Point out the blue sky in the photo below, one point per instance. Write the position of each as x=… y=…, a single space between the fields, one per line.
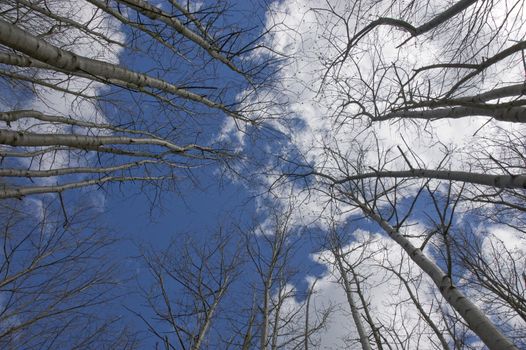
x=306 y=126
x=211 y=199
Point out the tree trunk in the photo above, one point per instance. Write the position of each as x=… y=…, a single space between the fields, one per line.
x=475 y=318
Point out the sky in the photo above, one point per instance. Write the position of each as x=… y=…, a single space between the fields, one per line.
x=300 y=135
x=301 y=127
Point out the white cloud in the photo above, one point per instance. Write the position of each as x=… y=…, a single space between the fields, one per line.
x=388 y=299
x=312 y=37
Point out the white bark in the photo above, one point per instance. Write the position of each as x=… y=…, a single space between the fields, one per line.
x=19 y=138
x=507 y=114
x=203 y=330
x=499 y=181
x=192 y=18
x=506 y=91
x=474 y=317
x=73 y=170
x=12 y=116
x=265 y=313
x=20 y=40
x=108 y=150
x=477 y=101
x=307 y=332
x=20 y=192
x=364 y=339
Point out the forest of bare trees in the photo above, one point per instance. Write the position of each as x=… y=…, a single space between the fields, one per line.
x=380 y=144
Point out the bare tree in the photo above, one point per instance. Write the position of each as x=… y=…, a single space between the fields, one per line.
x=196 y=293
x=496 y=270
x=189 y=283
x=351 y=284
x=57 y=284
x=402 y=318
x=406 y=67
x=285 y=316
x=110 y=91
x=381 y=202
x=468 y=60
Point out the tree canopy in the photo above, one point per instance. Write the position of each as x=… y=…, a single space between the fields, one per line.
x=379 y=147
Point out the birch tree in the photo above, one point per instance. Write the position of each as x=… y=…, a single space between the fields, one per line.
x=447 y=61
x=284 y=317
x=386 y=203
x=386 y=294
x=351 y=285
x=98 y=92
x=393 y=74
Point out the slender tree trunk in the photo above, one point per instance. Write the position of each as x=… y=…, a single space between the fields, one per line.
x=247 y=339
x=265 y=311
x=307 y=309
x=368 y=317
x=20 y=40
x=506 y=114
x=474 y=317
x=364 y=339
x=208 y=320
x=18 y=138
x=19 y=192
x=499 y=181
